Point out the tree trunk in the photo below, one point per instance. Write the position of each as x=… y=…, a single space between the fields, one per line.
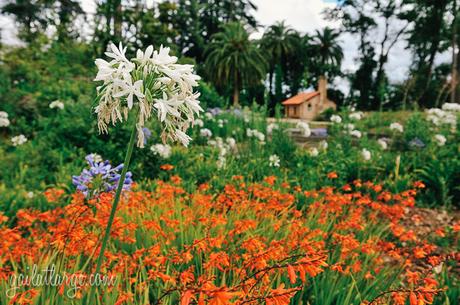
x=236 y=96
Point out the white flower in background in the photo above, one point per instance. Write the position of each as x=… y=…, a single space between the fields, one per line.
x=304 y=129
x=221 y=162
x=163 y=150
x=356 y=115
x=18 y=140
x=271 y=127
x=208 y=115
x=356 y=133
x=440 y=139
x=336 y=119
x=455 y=107
x=314 y=152
x=231 y=142
x=205 y=133
x=274 y=161
x=445 y=116
x=199 y=123
x=250 y=133
x=350 y=126
x=260 y=136
x=366 y=154
x=323 y=145
x=4 y=121
x=383 y=144
x=153 y=82
x=396 y=126
x=30 y=195
x=220 y=123
x=57 y=104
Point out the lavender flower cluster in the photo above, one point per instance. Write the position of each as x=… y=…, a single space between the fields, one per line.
x=100 y=177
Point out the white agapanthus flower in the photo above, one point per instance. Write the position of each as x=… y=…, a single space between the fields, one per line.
x=356 y=133
x=383 y=144
x=323 y=145
x=396 y=126
x=57 y=104
x=205 y=133
x=18 y=140
x=366 y=154
x=220 y=123
x=254 y=133
x=350 y=126
x=231 y=142
x=221 y=162
x=274 y=161
x=440 y=139
x=96 y=157
x=455 y=107
x=356 y=115
x=336 y=119
x=271 y=127
x=152 y=82
x=163 y=150
x=4 y=121
x=304 y=129
x=445 y=116
x=199 y=123
x=314 y=152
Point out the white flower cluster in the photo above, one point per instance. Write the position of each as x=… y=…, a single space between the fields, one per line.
x=445 y=116
x=397 y=127
x=304 y=128
x=350 y=129
x=206 y=133
x=356 y=115
x=163 y=150
x=271 y=127
x=366 y=154
x=250 y=133
x=57 y=104
x=96 y=157
x=440 y=139
x=154 y=82
x=18 y=140
x=229 y=145
x=4 y=121
x=383 y=144
x=336 y=119
x=274 y=161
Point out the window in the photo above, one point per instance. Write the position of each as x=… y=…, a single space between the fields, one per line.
x=295 y=110
x=309 y=107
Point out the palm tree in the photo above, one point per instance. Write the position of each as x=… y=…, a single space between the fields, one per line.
x=278 y=42
x=231 y=58
x=327 y=50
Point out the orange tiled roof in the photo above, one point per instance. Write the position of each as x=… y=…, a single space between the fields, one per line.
x=300 y=98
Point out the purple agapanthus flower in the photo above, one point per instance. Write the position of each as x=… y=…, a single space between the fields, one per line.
x=215 y=111
x=147 y=134
x=100 y=177
x=319 y=132
x=417 y=143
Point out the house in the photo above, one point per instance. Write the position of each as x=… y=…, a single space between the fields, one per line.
x=308 y=105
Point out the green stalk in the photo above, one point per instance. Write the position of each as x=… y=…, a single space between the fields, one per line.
x=129 y=152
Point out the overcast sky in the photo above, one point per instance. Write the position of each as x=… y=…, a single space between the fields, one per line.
x=302 y=15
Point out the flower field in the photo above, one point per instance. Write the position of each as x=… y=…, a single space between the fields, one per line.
x=250 y=209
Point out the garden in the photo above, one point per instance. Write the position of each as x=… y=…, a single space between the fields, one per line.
x=136 y=174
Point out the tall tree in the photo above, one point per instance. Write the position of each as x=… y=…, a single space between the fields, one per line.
x=328 y=52
x=232 y=58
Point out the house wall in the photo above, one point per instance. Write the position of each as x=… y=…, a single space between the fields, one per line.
x=309 y=110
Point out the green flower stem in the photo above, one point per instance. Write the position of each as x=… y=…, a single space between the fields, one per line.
x=112 y=213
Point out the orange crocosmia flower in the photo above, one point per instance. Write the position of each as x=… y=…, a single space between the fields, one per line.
x=53 y=194
x=419 y=184
x=291 y=274
x=419 y=252
x=3 y=218
x=176 y=179
x=166 y=167
x=270 y=180
x=222 y=297
x=456 y=226
x=186 y=297
x=346 y=188
x=280 y=296
x=398 y=298
x=441 y=232
x=332 y=175
x=413 y=299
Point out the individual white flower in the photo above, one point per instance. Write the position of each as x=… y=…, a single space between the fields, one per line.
x=205 y=133
x=356 y=115
x=271 y=127
x=249 y=132
x=18 y=140
x=383 y=144
x=221 y=162
x=208 y=115
x=163 y=150
x=57 y=104
x=314 y=152
x=396 y=126
x=260 y=136
x=220 y=123
x=440 y=139
x=30 y=195
x=4 y=121
x=304 y=129
x=274 y=161
x=96 y=157
x=350 y=126
x=199 y=122
x=152 y=81
x=366 y=154
x=323 y=145
x=356 y=133
x=336 y=119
